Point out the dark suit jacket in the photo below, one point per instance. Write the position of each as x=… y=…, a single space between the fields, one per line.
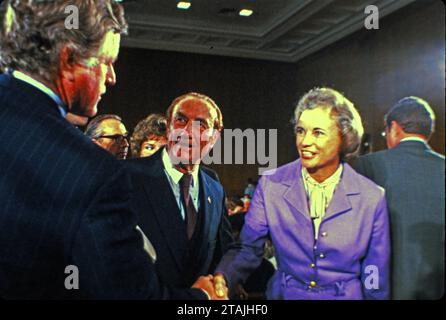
x=413 y=176
x=160 y=219
x=64 y=201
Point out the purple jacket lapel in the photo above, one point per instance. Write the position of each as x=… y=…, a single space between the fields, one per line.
x=340 y=202
x=295 y=194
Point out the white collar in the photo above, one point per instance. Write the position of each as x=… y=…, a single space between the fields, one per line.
x=174 y=173
x=413 y=139
x=332 y=180
x=39 y=85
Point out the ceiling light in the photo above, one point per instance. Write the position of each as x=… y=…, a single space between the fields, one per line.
x=183 y=5
x=245 y=12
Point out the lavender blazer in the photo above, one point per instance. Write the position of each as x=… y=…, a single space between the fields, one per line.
x=351 y=258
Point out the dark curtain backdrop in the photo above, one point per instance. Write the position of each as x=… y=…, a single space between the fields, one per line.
x=373 y=68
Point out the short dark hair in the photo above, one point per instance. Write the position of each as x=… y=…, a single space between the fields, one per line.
x=154 y=124
x=34 y=33
x=92 y=130
x=343 y=111
x=414 y=115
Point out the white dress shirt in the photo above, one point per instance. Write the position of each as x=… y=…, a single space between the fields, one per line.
x=174 y=176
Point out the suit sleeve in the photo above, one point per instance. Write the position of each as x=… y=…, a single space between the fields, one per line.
x=375 y=267
x=108 y=250
x=225 y=231
x=245 y=256
x=224 y=238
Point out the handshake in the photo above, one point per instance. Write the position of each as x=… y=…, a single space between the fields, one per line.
x=214 y=286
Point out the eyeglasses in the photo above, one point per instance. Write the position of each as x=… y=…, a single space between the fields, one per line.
x=117 y=137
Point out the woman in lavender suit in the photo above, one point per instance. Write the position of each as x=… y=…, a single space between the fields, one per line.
x=328 y=224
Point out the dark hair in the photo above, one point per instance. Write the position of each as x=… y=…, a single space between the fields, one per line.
x=93 y=131
x=414 y=115
x=218 y=121
x=34 y=32
x=344 y=112
x=154 y=124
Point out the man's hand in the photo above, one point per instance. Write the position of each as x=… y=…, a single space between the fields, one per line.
x=205 y=283
x=221 y=290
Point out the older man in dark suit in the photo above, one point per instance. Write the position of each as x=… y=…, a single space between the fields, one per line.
x=64 y=211
x=180 y=203
x=413 y=176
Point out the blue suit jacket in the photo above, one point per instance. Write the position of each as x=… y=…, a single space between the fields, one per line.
x=160 y=219
x=413 y=176
x=353 y=241
x=64 y=201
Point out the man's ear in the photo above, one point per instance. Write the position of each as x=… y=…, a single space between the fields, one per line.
x=395 y=126
x=66 y=63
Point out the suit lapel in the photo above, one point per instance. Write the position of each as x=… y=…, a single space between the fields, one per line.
x=159 y=194
x=295 y=193
x=296 y=197
x=211 y=215
x=340 y=202
x=211 y=207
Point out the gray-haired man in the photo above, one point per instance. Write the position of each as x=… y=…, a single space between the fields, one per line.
x=64 y=211
x=108 y=132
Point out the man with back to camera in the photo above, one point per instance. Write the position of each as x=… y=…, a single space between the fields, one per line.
x=413 y=176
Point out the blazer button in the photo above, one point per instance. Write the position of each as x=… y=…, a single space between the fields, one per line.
x=313 y=284
x=322 y=256
x=324 y=234
x=312 y=266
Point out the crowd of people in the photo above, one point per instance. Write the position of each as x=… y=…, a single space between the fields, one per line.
x=328 y=225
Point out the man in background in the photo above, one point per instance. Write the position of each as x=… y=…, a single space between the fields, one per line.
x=108 y=132
x=413 y=176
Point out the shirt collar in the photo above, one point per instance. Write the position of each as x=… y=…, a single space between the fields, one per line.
x=173 y=173
x=413 y=139
x=21 y=76
x=332 y=180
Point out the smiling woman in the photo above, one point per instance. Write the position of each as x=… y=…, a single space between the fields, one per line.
x=328 y=224
x=318 y=141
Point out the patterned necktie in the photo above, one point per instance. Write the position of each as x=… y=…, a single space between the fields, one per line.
x=191 y=213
